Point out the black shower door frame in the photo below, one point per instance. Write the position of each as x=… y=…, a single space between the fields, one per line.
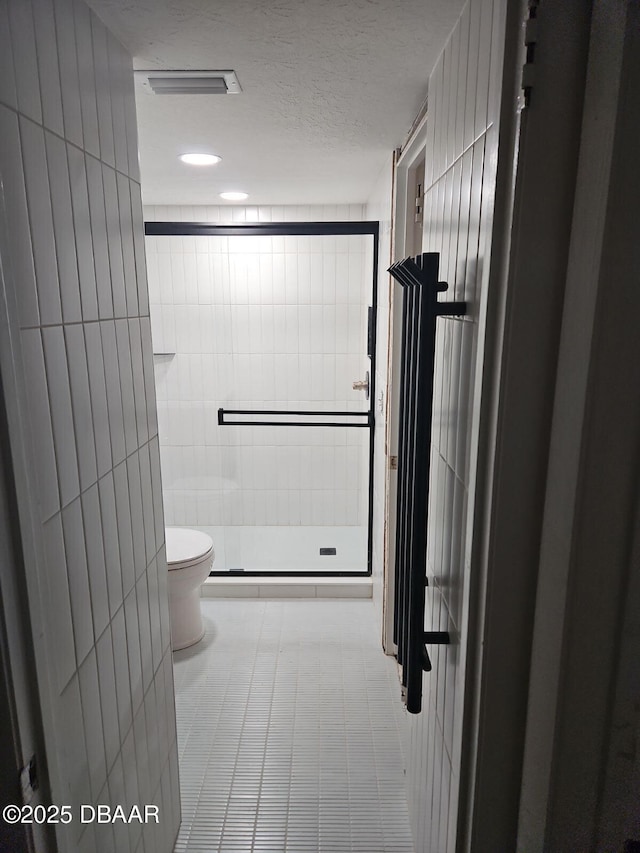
x=293 y=229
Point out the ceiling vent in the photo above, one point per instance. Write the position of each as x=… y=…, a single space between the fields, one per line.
x=192 y=82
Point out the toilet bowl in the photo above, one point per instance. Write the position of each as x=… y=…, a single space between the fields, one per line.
x=189 y=559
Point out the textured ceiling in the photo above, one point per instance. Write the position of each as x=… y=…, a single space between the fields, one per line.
x=330 y=87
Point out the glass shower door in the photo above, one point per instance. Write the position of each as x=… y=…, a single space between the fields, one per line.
x=270 y=333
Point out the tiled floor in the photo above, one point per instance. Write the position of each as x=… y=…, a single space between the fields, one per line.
x=290 y=732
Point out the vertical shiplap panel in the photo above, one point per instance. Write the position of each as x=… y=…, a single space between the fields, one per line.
x=95 y=559
x=93 y=726
x=15 y=200
x=463 y=67
x=117 y=73
x=69 y=79
x=473 y=256
x=125 y=377
x=48 y=68
x=114 y=395
x=131 y=128
x=77 y=255
x=110 y=540
x=114 y=241
x=61 y=413
x=103 y=91
x=463 y=225
x=484 y=62
x=98 y=391
x=139 y=391
x=446 y=273
x=85 y=247
x=41 y=221
x=81 y=405
x=137 y=516
x=452 y=248
x=128 y=257
x=98 y=231
x=7 y=73
x=76 y=562
x=63 y=228
x=74 y=789
x=40 y=423
x=452 y=69
x=464 y=89
x=22 y=31
x=61 y=623
x=86 y=75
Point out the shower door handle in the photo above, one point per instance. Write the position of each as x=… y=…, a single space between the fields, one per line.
x=362 y=385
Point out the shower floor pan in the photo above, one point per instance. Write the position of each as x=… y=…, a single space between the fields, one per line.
x=288 y=550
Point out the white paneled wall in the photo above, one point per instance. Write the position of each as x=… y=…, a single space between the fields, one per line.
x=259 y=323
x=75 y=270
x=461 y=153
x=379 y=209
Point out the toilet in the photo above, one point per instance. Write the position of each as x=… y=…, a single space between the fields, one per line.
x=189 y=559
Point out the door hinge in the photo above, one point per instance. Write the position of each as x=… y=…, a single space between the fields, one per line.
x=393 y=463
x=419 y=206
x=29 y=780
x=530 y=41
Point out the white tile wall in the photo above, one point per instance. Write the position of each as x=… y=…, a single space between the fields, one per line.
x=68 y=168
x=226 y=213
x=259 y=323
x=460 y=161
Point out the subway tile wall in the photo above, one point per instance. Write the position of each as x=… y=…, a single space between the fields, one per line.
x=461 y=153
x=71 y=192
x=259 y=323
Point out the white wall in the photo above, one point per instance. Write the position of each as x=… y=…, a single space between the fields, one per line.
x=260 y=323
x=461 y=152
x=77 y=349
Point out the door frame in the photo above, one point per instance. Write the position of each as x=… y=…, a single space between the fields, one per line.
x=405 y=166
x=289 y=229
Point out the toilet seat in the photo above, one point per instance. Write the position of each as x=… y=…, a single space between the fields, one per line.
x=186 y=547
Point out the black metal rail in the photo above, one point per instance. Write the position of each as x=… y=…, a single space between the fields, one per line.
x=420 y=308
x=222 y=413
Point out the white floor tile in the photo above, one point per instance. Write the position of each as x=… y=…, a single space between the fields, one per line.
x=290 y=731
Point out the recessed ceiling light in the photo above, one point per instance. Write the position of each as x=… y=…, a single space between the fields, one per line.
x=234 y=196
x=200 y=159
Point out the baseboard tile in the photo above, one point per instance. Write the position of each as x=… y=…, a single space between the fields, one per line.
x=334 y=587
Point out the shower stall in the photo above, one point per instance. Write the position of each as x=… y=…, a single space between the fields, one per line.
x=264 y=352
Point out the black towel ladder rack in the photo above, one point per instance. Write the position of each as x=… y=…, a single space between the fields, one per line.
x=418 y=278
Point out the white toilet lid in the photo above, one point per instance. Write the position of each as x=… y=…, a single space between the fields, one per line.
x=185 y=545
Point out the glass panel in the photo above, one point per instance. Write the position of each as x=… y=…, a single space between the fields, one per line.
x=264 y=323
